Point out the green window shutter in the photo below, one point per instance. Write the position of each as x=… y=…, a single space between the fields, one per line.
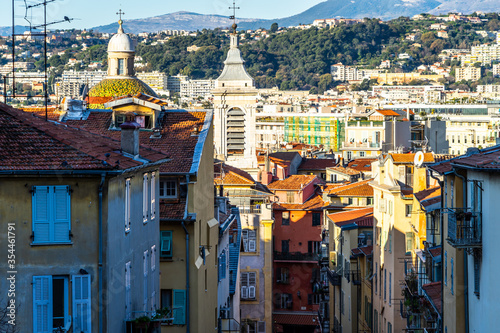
x=41 y=214
x=179 y=306
x=81 y=304
x=42 y=303
x=166 y=244
x=62 y=207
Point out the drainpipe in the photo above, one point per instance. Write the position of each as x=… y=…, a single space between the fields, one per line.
x=466 y=277
x=101 y=185
x=187 y=278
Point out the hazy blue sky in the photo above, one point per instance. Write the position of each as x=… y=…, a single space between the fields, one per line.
x=91 y=13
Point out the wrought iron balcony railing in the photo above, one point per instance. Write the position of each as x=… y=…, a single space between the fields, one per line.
x=464 y=228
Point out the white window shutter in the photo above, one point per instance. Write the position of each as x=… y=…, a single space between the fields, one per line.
x=153 y=195
x=127 y=205
x=42 y=304
x=244 y=292
x=261 y=327
x=153 y=258
x=244 y=285
x=251 y=292
x=252 y=246
x=145 y=281
x=145 y=202
x=128 y=299
x=62 y=208
x=41 y=214
x=244 y=236
x=81 y=304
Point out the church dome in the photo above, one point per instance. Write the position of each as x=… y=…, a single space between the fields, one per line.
x=108 y=89
x=121 y=42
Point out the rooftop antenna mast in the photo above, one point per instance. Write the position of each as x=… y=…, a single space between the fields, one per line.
x=233 y=17
x=42 y=34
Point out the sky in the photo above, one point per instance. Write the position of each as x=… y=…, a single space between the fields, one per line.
x=91 y=13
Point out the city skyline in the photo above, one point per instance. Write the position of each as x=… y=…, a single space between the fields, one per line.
x=84 y=16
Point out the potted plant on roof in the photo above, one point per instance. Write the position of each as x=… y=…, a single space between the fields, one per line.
x=141 y=324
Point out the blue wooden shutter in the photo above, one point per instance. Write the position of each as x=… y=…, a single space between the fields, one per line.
x=42 y=304
x=62 y=214
x=41 y=214
x=81 y=304
x=179 y=307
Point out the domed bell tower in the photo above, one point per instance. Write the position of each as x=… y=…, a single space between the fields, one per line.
x=121 y=54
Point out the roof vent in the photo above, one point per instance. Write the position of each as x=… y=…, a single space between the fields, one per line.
x=156 y=133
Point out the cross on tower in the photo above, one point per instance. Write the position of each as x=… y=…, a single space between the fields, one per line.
x=233 y=17
x=120 y=12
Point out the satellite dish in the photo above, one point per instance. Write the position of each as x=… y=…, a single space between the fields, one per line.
x=419 y=159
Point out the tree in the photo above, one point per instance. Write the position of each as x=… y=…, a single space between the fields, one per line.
x=274 y=27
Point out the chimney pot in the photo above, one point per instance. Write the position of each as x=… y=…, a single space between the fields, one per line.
x=130 y=135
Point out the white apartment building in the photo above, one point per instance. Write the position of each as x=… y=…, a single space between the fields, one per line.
x=197 y=88
x=464 y=132
x=347 y=73
x=71 y=82
x=156 y=80
x=425 y=93
x=174 y=83
x=496 y=70
x=483 y=53
x=488 y=88
x=469 y=73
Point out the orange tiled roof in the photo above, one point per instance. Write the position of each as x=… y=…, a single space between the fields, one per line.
x=346 y=171
x=429 y=196
x=409 y=158
x=361 y=164
x=363 y=216
x=294 y=182
x=28 y=142
x=358 y=189
x=52 y=112
x=314 y=203
x=388 y=113
x=229 y=175
x=172 y=210
x=176 y=135
x=433 y=290
x=316 y=163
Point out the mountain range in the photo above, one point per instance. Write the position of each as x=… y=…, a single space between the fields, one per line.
x=383 y=9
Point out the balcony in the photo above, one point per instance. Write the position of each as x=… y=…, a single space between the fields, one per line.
x=252 y=209
x=365 y=145
x=334 y=278
x=464 y=228
x=295 y=256
x=356 y=277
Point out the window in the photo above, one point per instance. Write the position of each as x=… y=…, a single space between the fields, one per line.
x=316 y=219
x=409 y=242
x=458 y=138
x=375 y=277
x=445 y=268
x=408 y=209
x=248 y=285
x=389 y=327
x=390 y=241
x=175 y=299
x=285 y=246
x=145 y=280
x=452 y=139
x=290 y=196
x=349 y=309
x=153 y=195
x=127 y=205
x=350 y=201
x=121 y=66
x=168 y=189
x=313 y=299
x=145 y=201
x=285 y=218
x=362 y=154
x=314 y=247
x=222 y=265
x=451 y=276
x=342 y=303
x=333 y=178
x=51 y=211
x=284 y=301
x=283 y=275
x=128 y=296
x=166 y=244
x=249 y=237
x=153 y=284
x=50 y=303
x=369 y=201
x=390 y=287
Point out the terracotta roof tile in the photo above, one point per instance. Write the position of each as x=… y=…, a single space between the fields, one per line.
x=429 y=196
x=316 y=163
x=172 y=210
x=358 y=189
x=362 y=217
x=52 y=112
x=229 y=175
x=433 y=290
x=176 y=135
x=314 y=203
x=486 y=159
x=410 y=158
x=367 y=249
x=30 y=143
x=388 y=113
x=361 y=164
x=345 y=171
x=436 y=251
x=294 y=182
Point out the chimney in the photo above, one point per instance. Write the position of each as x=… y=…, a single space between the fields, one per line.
x=130 y=135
